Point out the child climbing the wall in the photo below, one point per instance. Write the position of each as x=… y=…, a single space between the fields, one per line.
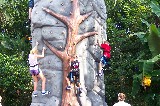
x=73 y=75
x=106 y=48
x=74 y=67
x=70 y=77
x=76 y=75
x=30 y=5
x=35 y=70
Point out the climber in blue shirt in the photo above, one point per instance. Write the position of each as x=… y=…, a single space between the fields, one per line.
x=30 y=5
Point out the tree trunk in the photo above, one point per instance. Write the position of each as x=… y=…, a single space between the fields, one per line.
x=68 y=97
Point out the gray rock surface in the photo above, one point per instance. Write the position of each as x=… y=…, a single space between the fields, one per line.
x=48 y=27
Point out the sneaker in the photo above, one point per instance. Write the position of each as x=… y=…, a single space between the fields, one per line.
x=80 y=90
x=68 y=87
x=100 y=74
x=34 y=94
x=45 y=93
x=80 y=94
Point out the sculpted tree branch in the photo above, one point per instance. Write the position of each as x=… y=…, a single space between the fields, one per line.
x=63 y=18
x=85 y=35
x=83 y=17
x=54 y=50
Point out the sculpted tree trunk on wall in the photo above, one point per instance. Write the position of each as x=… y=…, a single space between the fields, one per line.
x=72 y=23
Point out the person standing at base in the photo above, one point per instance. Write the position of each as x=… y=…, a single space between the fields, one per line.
x=121 y=98
x=35 y=71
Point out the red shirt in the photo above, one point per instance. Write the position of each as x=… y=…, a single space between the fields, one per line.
x=106 y=50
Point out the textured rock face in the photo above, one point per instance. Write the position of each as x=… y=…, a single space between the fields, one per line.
x=45 y=26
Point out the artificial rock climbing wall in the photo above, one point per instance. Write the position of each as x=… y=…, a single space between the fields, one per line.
x=45 y=26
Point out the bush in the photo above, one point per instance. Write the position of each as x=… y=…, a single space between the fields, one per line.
x=15 y=81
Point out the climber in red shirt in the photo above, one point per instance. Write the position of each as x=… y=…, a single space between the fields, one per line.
x=106 y=48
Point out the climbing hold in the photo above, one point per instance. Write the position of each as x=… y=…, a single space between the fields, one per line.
x=63 y=32
x=51 y=32
x=49 y=62
x=39 y=19
x=55 y=87
x=91 y=4
x=101 y=7
x=70 y=13
x=84 y=11
x=54 y=75
x=62 y=4
x=60 y=47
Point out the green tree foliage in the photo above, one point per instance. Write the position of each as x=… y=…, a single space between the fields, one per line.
x=13 y=31
x=14 y=15
x=15 y=81
x=17 y=45
x=124 y=19
x=154 y=40
x=150 y=67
